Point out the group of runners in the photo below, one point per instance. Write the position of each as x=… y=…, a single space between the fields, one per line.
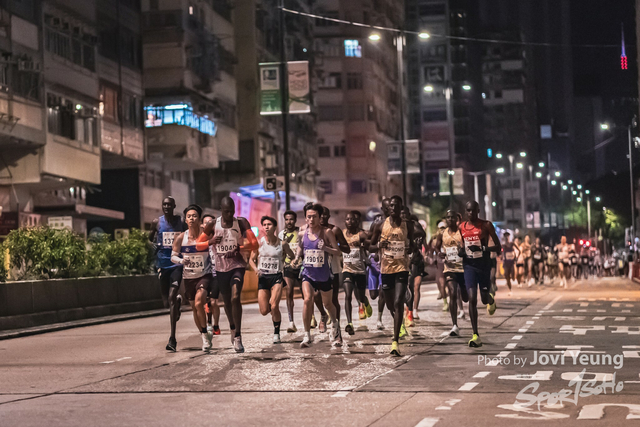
x=210 y=257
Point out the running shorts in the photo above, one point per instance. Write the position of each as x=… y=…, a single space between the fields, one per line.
x=192 y=286
x=389 y=281
x=359 y=280
x=268 y=281
x=170 y=277
x=292 y=273
x=373 y=279
x=458 y=277
x=214 y=290
x=475 y=277
x=227 y=278
x=319 y=286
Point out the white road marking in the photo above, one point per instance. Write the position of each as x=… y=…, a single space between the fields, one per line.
x=620 y=319
x=626 y=330
x=568 y=310
x=596 y=412
x=341 y=394
x=523 y=330
x=578 y=376
x=467 y=386
x=582 y=330
x=538 y=376
x=633 y=382
x=482 y=374
x=517 y=337
x=626 y=311
x=511 y=345
x=530 y=322
x=536 y=317
x=618 y=304
x=117 y=360
x=555 y=300
x=576 y=318
x=428 y=422
x=443 y=408
x=503 y=354
x=582 y=311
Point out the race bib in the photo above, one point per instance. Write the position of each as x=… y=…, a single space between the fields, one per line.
x=314 y=258
x=452 y=255
x=510 y=256
x=269 y=265
x=473 y=241
x=228 y=244
x=194 y=263
x=352 y=257
x=293 y=246
x=537 y=256
x=168 y=237
x=395 y=250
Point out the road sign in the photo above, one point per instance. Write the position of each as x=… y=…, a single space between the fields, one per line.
x=273 y=183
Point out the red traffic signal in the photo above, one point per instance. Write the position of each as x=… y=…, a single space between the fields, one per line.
x=581 y=242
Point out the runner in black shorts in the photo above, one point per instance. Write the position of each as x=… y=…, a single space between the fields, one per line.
x=291 y=272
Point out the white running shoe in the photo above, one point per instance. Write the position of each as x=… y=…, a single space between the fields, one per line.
x=379 y=325
x=455 y=331
x=337 y=338
x=306 y=342
x=415 y=315
x=206 y=342
x=210 y=329
x=276 y=339
x=237 y=345
x=461 y=314
x=292 y=328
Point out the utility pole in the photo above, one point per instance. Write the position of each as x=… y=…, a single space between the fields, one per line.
x=284 y=94
x=449 y=99
x=403 y=137
x=633 y=195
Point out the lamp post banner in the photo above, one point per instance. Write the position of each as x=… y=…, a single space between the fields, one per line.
x=299 y=95
x=270 y=94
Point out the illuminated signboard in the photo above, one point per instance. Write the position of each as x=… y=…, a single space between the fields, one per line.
x=178 y=114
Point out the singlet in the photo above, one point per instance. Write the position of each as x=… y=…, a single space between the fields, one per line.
x=393 y=259
x=374 y=266
x=563 y=251
x=270 y=257
x=315 y=261
x=451 y=243
x=166 y=232
x=231 y=238
x=354 y=260
x=283 y=235
x=196 y=264
x=526 y=250
x=537 y=253
x=472 y=236
x=508 y=253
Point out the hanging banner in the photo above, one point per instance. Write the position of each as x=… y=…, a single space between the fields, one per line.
x=270 y=100
x=412 y=156
x=394 y=158
x=458 y=182
x=299 y=94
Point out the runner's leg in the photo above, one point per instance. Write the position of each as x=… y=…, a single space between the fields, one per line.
x=453 y=286
x=290 y=289
x=348 y=296
x=336 y=293
x=264 y=301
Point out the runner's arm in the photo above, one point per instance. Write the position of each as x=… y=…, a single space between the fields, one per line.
x=287 y=249
x=376 y=244
x=175 y=250
x=253 y=260
x=247 y=233
x=154 y=231
x=332 y=247
x=342 y=242
x=497 y=248
x=438 y=247
x=363 y=240
x=202 y=242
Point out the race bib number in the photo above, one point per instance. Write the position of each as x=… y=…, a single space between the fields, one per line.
x=474 y=241
x=227 y=245
x=194 y=263
x=353 y=256
x=168 y=237
x=537 y=256
x=395 y=250
x=585 y=261
x=314 y=258
x=269 y=265
x=510 y=256
x=452 y=255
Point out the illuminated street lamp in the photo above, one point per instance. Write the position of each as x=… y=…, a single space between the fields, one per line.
x=579 y=187
x=541 y=164
x=498 y=155
x=428 y=88
x=466 y=87
x=575 y=192
x=570 y=182
x=500 y=170
x=564 y=187
x=523 y=154
x=604 y=126
x=424 y=36
x=538 y=174
x=557 y=174
x=587 y=191
x=519 y=165
x=597 y=199
x=579 y=199
x=554 y=182
x=374 y=37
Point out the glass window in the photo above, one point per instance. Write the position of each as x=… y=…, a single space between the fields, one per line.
x=354 y=80
x=324 y=151
x=358 y=186
x=331 y=81
x=339 y=151
x=352 y=49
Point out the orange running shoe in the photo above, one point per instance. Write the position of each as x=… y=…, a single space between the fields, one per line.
x=363 y=315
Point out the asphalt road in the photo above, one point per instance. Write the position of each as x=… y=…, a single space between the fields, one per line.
x=119 y=374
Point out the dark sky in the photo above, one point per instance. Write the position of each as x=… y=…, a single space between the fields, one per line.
x=597 y=70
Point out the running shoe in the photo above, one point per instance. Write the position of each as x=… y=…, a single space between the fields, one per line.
x=276 y=339
x=292 y=328
x=379 y=325
x=328 y=321
x=216 y=330
x=361 y=313
x=415 y=315
x=206 y=342
x=210 y=329
x=349 y=329
x=491 y=308
x=461 y=314
x=172 y=345
x=408 y=320
x=455 y=331
x=237 y=345
x=475 y=341
x=368 y=309
x=445 y=305
x=306 y=342
x=403 y=331
x=322 y=326
x=395 y=349
x=314 y=323
x=337 y=337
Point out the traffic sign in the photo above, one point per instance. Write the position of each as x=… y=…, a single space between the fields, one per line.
x=273 y=183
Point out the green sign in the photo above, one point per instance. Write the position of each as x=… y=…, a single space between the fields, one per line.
x=270 y=100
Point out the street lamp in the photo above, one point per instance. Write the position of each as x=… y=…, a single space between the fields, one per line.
x=523 y=154
x=500 y=170
x=428 y=88
x=564 y=187
x=424 y=36
x=597 y=199
x=374 y=37
x=538 y=174
x=557 y=174
x=587 y=191
x=570 y=182
x=554 y=182
x=575 y=192
x=604 y=126
x=579 y=199
x=466 y=87
x=579 y=187
x=519 y=165
x=541 y=164
x=498 y=155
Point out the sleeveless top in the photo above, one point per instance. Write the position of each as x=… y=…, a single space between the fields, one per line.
x=536 y=253
x=393 y=259
x=283 y=235
x=354 y=260
x=196 y=264
x=270 y=257
x=316 y=262
x=231 y=238
x=508 y=253
x=526 y=250
x=451 y=244
x=166 y=232
x=374 y=266
x=563 y=251
x=472 y=236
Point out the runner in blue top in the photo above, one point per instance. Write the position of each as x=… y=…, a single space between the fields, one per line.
x=163 y=232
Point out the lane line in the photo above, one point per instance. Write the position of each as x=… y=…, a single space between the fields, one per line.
x=517 y=337
x=503 y=354
x=511 y=345
x=523 y=330
x=536 y=317
x=341 y=394
x=530 y=322
x=467 y=386
x=482 y=374
x=428 y=422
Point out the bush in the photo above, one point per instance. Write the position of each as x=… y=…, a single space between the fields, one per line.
x=133 y=255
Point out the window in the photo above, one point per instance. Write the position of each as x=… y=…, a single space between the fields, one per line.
x=354 y=80
x=331 y=81
x=324 y=151
x=326 y=186
x=498 y=94
x=70 y=42
x=352 y=49
x=339 y=150
x=328 y=113
x=109 y=100
x=131 y=110
x=71 y=120
x=358 y=186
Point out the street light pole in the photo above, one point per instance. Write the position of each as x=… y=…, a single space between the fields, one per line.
x=589 y=216
x=511 y=157
x=284 y=95
x=403 y=137
x=633 y=195
x=449 y=100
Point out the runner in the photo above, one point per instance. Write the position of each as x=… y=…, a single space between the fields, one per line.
x=163 y=232
x=394 y=238
x=538 y=257
x=476 y=233
x=267 y=262
x=362 y=309
x=519 y=260
x=335 y=260
x=374 y=282
x=191 y=249
x=354 y=270
x=552 y=264
x=563 y=250
x=416 y=266
x=440 y=280
x=230 y=233
x=316 y=244
x=213 y=305
x=526 y=254
x=508 y=259
x=448 y=246
x=324 y=317
x=291 y=272
x=575 y=259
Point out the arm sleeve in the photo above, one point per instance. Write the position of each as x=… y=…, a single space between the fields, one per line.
x=202 y=243
x=252 y=244
x=175 y=258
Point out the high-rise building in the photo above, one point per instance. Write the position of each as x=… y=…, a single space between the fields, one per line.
x=358 y=102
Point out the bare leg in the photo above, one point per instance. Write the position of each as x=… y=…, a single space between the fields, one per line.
x=307 y=308
x=276 y=295
x=199 y=316
x=290 y=293
x=174 y=309
x=348 y=297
